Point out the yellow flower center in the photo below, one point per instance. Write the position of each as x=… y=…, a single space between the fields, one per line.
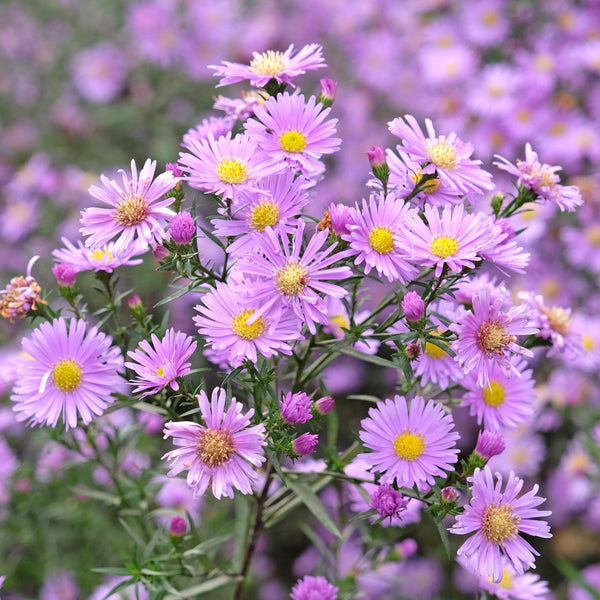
x=293 y=141
x=270 y=62
x=442 y=154
x=66 y=375
x=264 y=214
x=492 y=337
x=339 y=322
x=232 y=171
x=291 y=279
x=100 y=254
x=434 y=351
x=558 y=319
x=429 y=186
x=592 y=235
x=131 y=211
x=506 y=583
x=245 y=331
x=409 y=446
x=588 y=342
x=160 y=372
x=381 y=240
x=215 y=447
x=499 y=524
x=489 y=17
x=493 y=394
x=444 y=246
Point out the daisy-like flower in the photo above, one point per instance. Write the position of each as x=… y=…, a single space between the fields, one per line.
x=505 y=402
x=161 y=362
x=543 y=180
x=107 y=258
x=447 y=156
x=277 y=206
x=488 y=335
x=226 y=165
x=66 y=372
x=376 y=237
x=224 y=451
x=294 y=131
x=451 y=238
x=224 y=322
x=411 y=445
x=272 y=64
x=136 y=213
x=497 y=518
x=309 y=588
x=292 y=279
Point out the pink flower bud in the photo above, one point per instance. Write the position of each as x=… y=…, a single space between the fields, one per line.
x=376 y=156
x=449 y=494
x=182 y=228
x=65 y=274
x=413 y=306
x=490 y=443
x=174 y=168
x=295 y=408
x=328 y=89
x=387 y=501
x=325 y=405
x=413 y=350
x=178 y=527
x=305 y=444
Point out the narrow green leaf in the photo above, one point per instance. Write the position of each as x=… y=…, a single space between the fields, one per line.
x=207 y=545
x=207 y=586
x=134 y=536
x=97 y=495
x=312 y=502
x=372 y=358
x=444 y=536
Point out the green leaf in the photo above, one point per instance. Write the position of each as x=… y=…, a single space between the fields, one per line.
x=207 y=586
x=97 y=495
x=372 y=358
x=444 y=536
x=207 y=545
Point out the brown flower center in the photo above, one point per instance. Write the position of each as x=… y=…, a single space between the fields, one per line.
x=492 y=337
x=132 y=211
x=215 y=447
x=499 y=524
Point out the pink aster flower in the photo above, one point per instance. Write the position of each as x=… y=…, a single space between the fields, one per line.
x=66 y=372
x=224 y=321
x=161 y=362
x=446 y=155
x=272 y=64
x=503 y=403
x=292 y=279
x=387 y=501
x=226 y=165
x=488 y=335
x=136 y=213
x=376 y=236
x=497 y=518
x=294 y=131
x=451 y=238
x=225 y=450
x=313 y=588
x=409 y=444
x=105 y=258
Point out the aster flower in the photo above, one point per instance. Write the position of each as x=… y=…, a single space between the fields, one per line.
x=503 y=403
x=21 y=295
x=543 y=180
x=295 y=408
x=226 y=165
x=376 y=236
x=161 y=362
x=224 y=321
x=387 y=501
x=291 y=278
x=447 y=156
x=105 y=258
x=67 y=372
x=451 y=238
x=410 y=444
x=224 y=451
x=272 y=64
x=309 y=588
x=136 y=213
x=487 y=336
x=497 y=518
x=294 y=131
x=215 y=126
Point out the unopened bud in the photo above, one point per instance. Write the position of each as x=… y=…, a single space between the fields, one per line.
x=65 y=274
x=413 y=306
x=489 y=443
x=305 y=444
x=324 y=405
x=379 y=166
x=178 y=527
x=413 y=350
x=182 y=228
x=328 y=89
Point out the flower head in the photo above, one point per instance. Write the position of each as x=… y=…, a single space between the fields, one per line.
x=387 y=501
x=67 y=372
x=135 y=215
x=161 y=362
x=305 y=444
x=295 y=408
x=21 y=295
x=497 y=518
x=182 y=228
x=313 y=588
x=410 y=444
x=272 y=64
x=224 y=451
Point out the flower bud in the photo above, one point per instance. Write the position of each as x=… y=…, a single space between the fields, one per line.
x=406 y=547
x=65 y=274
x=324 y=405
x=182 y=228
x=174 y=168
x=489 y=443
x=379 y=166
x=387 y=501
x=413 y=350
x=305 y=444
x=136 y=307
x=413 y=306
x=328 y=89
x=449 y=495
x=295 y=408
x=178 y=527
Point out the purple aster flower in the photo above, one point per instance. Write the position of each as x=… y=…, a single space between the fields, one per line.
x=105 y=258
x=226 y=165
x=136 y=213
x=313 y=588
x=182 y=228
x=387 y=501
x=292 y=278
x=376 y=235
x=305 y=444
x=409 y=444
x=504 y=402
x=448 y=156
x=487 y=336
x=224 y=321
x=504 y=251
x=451 y=238
x=543 y=180
x=497 y=518
x=215 y=126
x=161 y=362
x=272 y=64
x=295 y=408
x=225 y=450
x=66 y=372
x=241 y=108
x=294 y=131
